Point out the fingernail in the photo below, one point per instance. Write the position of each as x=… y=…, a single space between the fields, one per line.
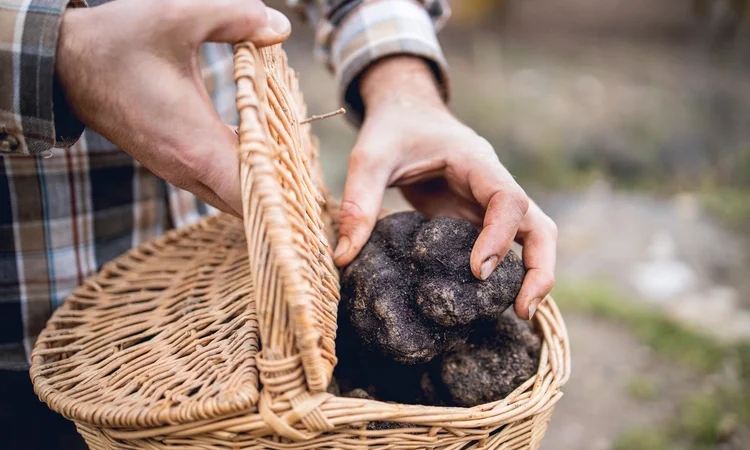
x=533 y=306
x=488 y=266
x=342 y=248
x=278 y=22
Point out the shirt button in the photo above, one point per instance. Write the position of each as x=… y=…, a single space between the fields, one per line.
x=8 y=142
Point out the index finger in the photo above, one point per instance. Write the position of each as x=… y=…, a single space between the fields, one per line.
x=505 y=206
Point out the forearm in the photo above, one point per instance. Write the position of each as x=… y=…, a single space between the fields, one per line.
x=403 y=78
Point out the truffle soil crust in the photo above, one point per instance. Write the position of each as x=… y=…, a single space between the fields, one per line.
x=416 y=326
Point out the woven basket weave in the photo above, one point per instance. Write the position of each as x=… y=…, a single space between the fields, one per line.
x=221 y=335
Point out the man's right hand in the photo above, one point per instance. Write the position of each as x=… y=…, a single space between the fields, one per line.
x=130 y=72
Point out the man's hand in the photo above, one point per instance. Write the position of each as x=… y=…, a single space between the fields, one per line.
x=130 y=71
x=409 y=139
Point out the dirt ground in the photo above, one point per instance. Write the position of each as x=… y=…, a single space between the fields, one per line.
x=596 y=407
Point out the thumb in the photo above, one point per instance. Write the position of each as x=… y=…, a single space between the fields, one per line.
x=235 y=21
x=363 y=196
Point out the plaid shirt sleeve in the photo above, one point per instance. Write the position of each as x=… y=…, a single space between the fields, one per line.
x=33 y=112
x=352 y=34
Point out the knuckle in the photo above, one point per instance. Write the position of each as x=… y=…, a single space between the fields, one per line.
x=509 y=202
x=484 y=144
x=546 y=280
x=519 y=199
x=196 y=164
x=357 y=158
x=362 y=159
x=351 y=213
x=481 y=151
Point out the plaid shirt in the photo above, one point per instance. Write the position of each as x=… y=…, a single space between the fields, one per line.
x=70 y=200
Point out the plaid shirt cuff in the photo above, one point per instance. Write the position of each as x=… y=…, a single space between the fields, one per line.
x=376 y=29
x=34 y=115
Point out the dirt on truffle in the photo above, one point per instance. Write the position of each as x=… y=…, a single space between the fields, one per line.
x=416 y=326
x=380 y=376
x=497 y=358
x=410 y=294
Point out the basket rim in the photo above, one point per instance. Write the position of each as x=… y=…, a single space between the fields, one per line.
x=548 y=321
x=74 y=409
x=534 y=397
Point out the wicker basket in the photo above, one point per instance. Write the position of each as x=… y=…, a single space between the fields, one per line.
x=181 y=344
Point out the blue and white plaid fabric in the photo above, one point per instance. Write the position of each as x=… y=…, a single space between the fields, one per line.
x=64 y=212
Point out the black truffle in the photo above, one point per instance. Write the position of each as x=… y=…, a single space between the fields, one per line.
x=360 y=367
x=333 y=387
x=358 y=393
x=410 y=293
x=497 y=358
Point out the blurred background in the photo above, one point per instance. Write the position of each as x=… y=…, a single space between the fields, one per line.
x=628 y=121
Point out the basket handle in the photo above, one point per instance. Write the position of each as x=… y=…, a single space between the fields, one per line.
x=296 y=283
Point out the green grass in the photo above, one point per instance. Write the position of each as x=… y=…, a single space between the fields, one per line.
x=644 y=439
x=666 y=336
x=730 y=205
x=642 y=387
x=701 y=419
x=704 y=419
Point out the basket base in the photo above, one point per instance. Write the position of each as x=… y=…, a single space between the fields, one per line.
x=522 y=435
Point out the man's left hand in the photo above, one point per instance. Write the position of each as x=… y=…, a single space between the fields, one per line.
x=411 y=140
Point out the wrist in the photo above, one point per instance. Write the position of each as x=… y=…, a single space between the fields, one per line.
x=402 y=80
x=67 y=47
x=67 y=122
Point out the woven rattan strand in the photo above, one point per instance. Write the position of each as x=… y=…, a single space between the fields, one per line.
x=221 y=335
